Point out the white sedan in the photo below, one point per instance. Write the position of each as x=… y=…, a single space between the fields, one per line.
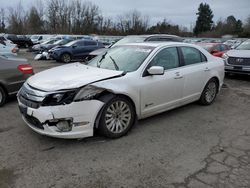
x=112 y=91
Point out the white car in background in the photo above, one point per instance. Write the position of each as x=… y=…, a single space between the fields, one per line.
x=129 y=82
x=237 y=61
x=11 y=49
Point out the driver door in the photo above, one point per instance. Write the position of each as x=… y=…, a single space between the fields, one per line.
x=162 y=92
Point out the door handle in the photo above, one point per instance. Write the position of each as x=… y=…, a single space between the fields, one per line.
x=178 y=76
x=206 y=69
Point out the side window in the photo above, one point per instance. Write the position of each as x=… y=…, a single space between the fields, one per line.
x=191 y=55
x=167 y=58
x=217 y=47
x=203 y=57
x=90 y=43
x=80 y=44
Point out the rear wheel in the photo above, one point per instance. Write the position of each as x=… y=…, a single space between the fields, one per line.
x=2 y=96
x=209 y=93
x=66 y=58
x=118 y=116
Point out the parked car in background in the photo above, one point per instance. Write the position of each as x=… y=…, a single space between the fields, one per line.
x=40 y=47
x=37 y=39
x=216 y=49
x=78 y=49
x=237 y=61
x=138 y=39
x=20 y=40
x=129 y=82
x=233 y=43
x=13 y=73
x=4 y=40
x=61 y=42
x=5 y=49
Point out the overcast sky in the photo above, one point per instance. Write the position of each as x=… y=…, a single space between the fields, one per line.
x=180 y=12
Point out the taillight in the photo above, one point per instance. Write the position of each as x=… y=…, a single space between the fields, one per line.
x=26 y=69
x=14 y=50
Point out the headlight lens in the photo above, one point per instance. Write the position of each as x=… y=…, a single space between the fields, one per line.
x=59 y=98
x=224 y=56
x=87 y=93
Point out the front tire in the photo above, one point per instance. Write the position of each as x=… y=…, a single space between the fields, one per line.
x=66 y=58
x=117 y=117
x=2 y=96
x=209 y=93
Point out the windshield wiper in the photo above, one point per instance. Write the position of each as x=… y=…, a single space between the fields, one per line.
x=99 y=62
x=116 y=66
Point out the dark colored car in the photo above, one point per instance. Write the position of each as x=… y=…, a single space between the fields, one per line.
x=20 y=40
x=139 y=39
x=13 y=73
x=216 y=49
x=78 y=49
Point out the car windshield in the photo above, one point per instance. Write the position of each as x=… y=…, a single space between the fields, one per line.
x=130 y=39
x=70 y=43
x=244 y=46
x=123 y=58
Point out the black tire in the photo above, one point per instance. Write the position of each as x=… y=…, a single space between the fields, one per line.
x=66 y=58
x=3 y=96
x=210 y=92
x=103 y=127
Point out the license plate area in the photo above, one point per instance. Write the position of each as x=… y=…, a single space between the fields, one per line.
x=238 y=68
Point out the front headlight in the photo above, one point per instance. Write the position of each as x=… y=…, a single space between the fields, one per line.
x=59 y=98
x=88 y=92
x=224 y=56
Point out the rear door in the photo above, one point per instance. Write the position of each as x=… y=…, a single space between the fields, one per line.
x=89 y=47
x=195 y=71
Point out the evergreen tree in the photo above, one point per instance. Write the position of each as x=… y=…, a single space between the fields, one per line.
x=204 y=20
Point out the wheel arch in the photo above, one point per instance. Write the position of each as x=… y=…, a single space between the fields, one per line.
x=106 y=96
x=4 y=88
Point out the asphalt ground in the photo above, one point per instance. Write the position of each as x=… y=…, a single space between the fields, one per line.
x=192 y=146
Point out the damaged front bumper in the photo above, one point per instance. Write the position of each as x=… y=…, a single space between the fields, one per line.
x=75 y=120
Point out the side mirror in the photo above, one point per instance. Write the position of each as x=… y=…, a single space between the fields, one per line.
x=156 y=70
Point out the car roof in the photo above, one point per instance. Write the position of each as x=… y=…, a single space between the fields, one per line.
x=154 y=35
x=159 y=44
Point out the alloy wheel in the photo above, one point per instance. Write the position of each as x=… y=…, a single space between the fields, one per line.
x=210 y=92
x=118 y=117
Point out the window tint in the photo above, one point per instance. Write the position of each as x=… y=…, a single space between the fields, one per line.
x=191 y=55
x=223 y=47
x=90 y=43
x=167 y=58
x=80 y=43
x=217 y=47
x=203 y=58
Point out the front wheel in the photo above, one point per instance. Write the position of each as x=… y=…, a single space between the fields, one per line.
x=117 y=117
x=2 y=96
x=209 y=93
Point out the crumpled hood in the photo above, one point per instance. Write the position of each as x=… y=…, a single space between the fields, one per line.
x=239 y=53
x=69 y=77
